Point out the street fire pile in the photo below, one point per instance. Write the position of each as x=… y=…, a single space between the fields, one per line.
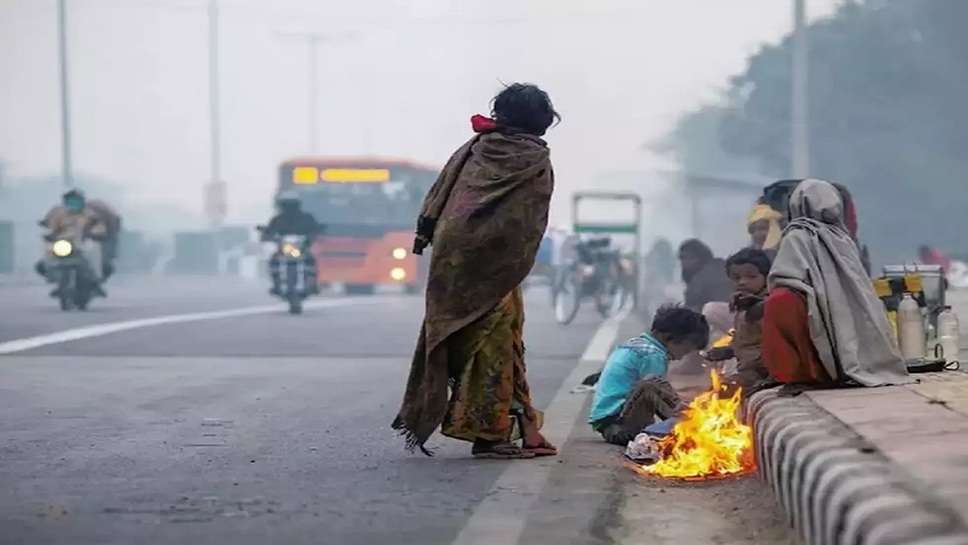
x=709 y=442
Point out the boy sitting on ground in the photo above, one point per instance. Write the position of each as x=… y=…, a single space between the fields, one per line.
x=748 y=270
x=632 y=389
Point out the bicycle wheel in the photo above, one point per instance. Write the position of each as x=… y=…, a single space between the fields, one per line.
x=567 y=297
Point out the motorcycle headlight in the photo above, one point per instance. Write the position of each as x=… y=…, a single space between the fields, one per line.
x=291 y=250
x=62 y=248
x=399 y=254
x=398 y=274
x=588 y=270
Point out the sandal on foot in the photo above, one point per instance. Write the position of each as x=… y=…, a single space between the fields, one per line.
x=501 y=451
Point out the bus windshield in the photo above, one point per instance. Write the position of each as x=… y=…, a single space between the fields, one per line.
x=370 y=198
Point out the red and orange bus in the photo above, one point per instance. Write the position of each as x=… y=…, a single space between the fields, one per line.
x=369 y=209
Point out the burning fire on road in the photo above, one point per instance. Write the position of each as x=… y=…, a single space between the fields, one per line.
x=709 y=442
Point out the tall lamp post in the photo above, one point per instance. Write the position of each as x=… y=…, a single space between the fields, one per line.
x=800 y=127
x=216 y=205
x=313 y=41
x=67 y=168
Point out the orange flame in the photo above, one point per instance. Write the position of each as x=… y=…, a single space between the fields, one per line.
x=709 y=441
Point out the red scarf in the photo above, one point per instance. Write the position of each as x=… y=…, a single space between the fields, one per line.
x=483 y=124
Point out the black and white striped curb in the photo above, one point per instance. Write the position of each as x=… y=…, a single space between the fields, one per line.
x=838 y=489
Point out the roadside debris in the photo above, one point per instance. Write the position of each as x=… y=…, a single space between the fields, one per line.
x=643 y=450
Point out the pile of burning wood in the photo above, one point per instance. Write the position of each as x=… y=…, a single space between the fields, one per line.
x=709 y=441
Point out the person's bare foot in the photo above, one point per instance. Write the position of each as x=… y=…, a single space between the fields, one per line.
x=536 y=443
x=541 y=449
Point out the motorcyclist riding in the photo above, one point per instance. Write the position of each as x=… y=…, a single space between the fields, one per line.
x=292 y=220
x=73 y=216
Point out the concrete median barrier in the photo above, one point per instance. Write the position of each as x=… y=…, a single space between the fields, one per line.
x=830 y=459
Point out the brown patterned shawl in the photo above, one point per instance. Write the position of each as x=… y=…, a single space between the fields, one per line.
x=489 y=208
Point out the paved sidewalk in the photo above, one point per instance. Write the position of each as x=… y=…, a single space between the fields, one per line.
x=870 y=466
x=922 y=428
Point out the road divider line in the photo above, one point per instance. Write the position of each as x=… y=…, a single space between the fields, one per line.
x=99 y=330
x=502 y=514
x=601 y=344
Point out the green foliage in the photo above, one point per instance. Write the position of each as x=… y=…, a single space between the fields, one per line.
x=887 y=90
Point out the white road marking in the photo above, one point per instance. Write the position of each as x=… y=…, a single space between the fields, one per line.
x=600 y=346
x=98 y=330
x=502 y=514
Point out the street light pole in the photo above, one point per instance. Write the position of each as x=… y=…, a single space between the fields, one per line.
x=312 y=39
x=313 y=42
x=215 y=191
x=67 y=174
x=213 y=92
x=800 y=127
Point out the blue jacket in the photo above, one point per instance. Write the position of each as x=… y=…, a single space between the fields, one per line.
x=629 y=363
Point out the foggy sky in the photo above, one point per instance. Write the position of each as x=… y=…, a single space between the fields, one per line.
x=399 y=78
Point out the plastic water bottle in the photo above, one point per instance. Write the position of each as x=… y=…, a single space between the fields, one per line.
x=949 y=333
x=910 y=325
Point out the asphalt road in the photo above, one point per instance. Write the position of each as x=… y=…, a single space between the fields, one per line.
x=270 y=428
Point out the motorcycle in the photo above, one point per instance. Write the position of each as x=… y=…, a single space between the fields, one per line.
x=597 y=273
x=296 y=275
x=71 y=265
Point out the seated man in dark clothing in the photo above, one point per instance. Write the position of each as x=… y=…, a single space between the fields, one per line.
x=292 y=220
x=704 y=275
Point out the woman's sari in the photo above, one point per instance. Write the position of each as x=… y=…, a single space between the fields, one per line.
x=489 y=376
x=488 y=211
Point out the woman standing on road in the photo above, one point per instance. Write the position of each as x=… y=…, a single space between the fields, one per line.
x=485 y=217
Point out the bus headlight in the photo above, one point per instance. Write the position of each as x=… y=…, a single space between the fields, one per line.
x=62 y=248
x=398 y=274
x=291 y=250
x=399 y=254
